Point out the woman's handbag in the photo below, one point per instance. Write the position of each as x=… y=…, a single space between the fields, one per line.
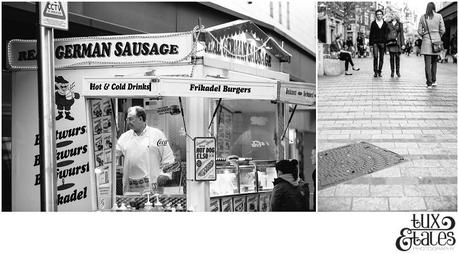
x=391 y=43
x=437 y=46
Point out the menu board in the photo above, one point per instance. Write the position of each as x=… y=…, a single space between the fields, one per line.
x=239 y=203
x=252 y=203
x=227 y=204
x=224 y=132
x=205 y=155
x=102 y=126
x=264 y=202
x=215 y=205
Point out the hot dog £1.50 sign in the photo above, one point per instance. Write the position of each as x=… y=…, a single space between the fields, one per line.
x=204 y=155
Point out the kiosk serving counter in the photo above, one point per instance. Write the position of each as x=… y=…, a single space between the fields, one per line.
x=217 y=94
x=233 y=183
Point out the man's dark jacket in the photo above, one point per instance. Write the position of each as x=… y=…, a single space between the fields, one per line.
x=378 y=35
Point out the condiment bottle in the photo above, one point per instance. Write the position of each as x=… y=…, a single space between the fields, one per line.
x=179 y=208
x=148 y=205
x=168 y=208
x=123 y=208
x=158 y=205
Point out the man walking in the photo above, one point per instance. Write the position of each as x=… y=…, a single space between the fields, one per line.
x=378 y=33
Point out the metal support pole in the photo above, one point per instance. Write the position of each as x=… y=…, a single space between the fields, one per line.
x=48 y=190
x=280 y=120
x=198 y=192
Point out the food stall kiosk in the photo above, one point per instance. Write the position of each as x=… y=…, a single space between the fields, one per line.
x=216 y=93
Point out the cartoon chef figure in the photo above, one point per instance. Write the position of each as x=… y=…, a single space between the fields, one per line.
x=65 y=97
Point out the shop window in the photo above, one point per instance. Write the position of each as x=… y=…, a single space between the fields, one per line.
x=271 y=9
x=280 y=12
x=246 y=129
x=288 y=15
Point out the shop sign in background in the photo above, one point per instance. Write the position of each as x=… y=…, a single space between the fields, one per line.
x=304 y=94
x=205 y=155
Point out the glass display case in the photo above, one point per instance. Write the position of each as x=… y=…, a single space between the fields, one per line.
x=241 y=175
x=227 y=179
x=266 y=173
x=247 y=181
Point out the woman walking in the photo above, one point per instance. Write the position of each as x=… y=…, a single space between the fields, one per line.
x=395 y=41
x=431 y=28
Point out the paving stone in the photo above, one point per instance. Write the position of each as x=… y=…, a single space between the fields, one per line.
x=352 y=190
x=334 y=204
x=386 y=190
x=407 y=204
x=328 y=192
x=370 y=204
x=442 y=203
x=445 y=172
x=447 y=189
x=388 y=172
x=426 y=163
x=420 y=190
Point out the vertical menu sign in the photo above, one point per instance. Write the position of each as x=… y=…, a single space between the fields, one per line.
x=103 y=139
x=204 y=155
x=54 y=14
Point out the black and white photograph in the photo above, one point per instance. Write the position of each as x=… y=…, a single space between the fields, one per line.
x=227 y=126
x=387 y=106
x=158 y=106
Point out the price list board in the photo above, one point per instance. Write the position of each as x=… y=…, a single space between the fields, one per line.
x=102 y=121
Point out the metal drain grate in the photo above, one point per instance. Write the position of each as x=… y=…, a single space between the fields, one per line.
x=348 y=162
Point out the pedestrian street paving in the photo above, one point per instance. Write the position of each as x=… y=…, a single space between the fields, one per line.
x=401 y=115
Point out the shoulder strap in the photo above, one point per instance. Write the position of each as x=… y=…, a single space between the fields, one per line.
x=427 y=25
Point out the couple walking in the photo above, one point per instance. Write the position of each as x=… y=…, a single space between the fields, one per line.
x=386 y=34
x=390 y=34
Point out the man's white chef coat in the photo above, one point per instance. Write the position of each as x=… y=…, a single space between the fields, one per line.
x=144 y=153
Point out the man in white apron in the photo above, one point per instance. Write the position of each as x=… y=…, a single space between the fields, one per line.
x=145 y=150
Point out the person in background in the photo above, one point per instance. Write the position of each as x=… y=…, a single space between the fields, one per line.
x=444 y=53
x=378 y=34
x=432 y=22
x=395 y=41
x=453 y=48
x=408 y=47
x=313 y=161
x=146 y=152
x=288 y=194
x=343 y=55
x=360 y=45
x=417 y=45
x=350 y=46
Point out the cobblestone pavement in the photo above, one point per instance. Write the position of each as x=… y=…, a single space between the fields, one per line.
x=399 y=114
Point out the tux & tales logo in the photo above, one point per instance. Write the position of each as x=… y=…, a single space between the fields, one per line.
x=427 y=231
